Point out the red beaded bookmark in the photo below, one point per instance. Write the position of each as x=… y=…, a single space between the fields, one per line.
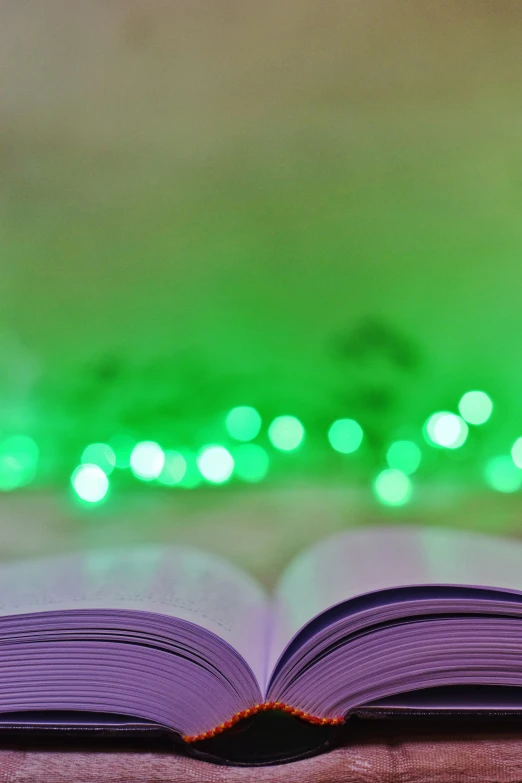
x=267 y=705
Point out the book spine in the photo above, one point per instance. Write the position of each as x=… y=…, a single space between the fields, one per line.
x=263 y=707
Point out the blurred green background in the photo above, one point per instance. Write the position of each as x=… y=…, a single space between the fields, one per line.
x=312 y=209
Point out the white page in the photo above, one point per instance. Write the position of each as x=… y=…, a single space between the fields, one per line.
x=178 y=582
x=365 y=560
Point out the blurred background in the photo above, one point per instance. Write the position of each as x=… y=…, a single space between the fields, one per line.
x=261 y=271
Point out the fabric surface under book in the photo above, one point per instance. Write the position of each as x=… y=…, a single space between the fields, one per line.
x=391 y=754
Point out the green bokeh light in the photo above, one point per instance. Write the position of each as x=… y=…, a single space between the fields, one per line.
x=345 y=435
x=90 y=483
x=429 y=428
x=502 y=474
x=286 y=433
x=446 y=429
x=147 y=460
x=392 y=487
x=174 y=469
x=99 y=454
x=475 y=407
x=18 y=461
x=215 y=464
x=404 y=455
x=516 y=452
x=243 y=423
x=122 y=446
x=251 y=462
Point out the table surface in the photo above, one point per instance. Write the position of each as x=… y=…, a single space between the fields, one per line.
x=384 y=752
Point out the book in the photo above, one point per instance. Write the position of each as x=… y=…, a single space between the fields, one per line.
x=173 y=641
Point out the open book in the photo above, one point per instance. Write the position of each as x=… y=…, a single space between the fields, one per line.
x=373 y=621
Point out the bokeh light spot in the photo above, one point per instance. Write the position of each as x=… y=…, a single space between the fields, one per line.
x=18 y=461
x=99 y=454
x=345 y=435
x=392 y=487
x=174 y=469
x=286 y=433
x=251 y=462
x=146 y=460
x=404 y=455
x=446 y=429
x=215 y=464
x=429 y=427
x=516 y=452
x=90 y=483
x=243 y=423
x=502 y=474
x=475 y=407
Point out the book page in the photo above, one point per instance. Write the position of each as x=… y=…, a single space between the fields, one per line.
x=365 y=560
x=178 y=582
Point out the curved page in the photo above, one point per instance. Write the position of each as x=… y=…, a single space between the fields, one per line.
x=177 y=582
x=368 y=560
